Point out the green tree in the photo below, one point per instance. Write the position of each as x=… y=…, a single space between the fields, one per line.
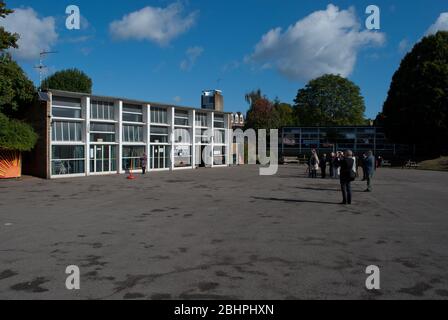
x=7 y=39
x=16 y=135
x=72 y=80
x=283 y=114
x=17 y=92
x=416 y=108
x=259 y=115
x=330 y=100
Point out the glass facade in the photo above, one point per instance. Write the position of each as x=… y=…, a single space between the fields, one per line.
x=102 y=132
x=182 y=156
x=63 y=131
x=132 y=113
x=67 y=160
x=131 y=157
x=85 y=136
x=100 y=110
x=132 y=133
x=159 y=134
x=219 y=121
x=159 y=115
x=181 y=118
x=296 y=141
x=201 y=119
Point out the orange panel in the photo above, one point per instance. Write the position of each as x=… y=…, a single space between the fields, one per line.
x=10 y=164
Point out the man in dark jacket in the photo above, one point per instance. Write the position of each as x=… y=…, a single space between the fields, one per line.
x=323 y=165
x=370 y=170
x=347 y=165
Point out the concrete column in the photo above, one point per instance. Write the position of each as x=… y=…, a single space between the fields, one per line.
x=147 y=107
x=193 y=139
x=85 y=103
x=171 y=134
x=213 y=140
x=227 y=141
x=119 y=109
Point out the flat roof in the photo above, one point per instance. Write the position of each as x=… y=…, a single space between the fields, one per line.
x=126 y=100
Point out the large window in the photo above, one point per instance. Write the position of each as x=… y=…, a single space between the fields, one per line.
x=66 y=107
x=181 y=118
x=67 y=160
x=203 y=135
x=102 y=132
x=219 y=136
x=201 y=119
x=159 y=134
x=131 y=157
x=182 y=136
x=101 y=110
x=219 y=156
x=132 y=113
x=182 y=156
x=219 y=121
x=132 y=133
x=66 y=131
x=159 y=115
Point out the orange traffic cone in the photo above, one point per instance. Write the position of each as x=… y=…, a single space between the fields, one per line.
x=131 y=174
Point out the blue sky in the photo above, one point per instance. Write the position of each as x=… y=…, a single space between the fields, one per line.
x=170 y=51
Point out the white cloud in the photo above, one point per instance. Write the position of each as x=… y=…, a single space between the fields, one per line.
x=159 y=25
x=177 y=99
x=193 y=53
x=440 y=25
x=326 y=41
x=36 y=33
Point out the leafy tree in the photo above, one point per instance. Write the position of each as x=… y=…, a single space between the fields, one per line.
x=330 y=100
x=17 y=92
x=16 y=135
x=7 y=39
x=283 y=114
x=416 y=109
x=259 y=115
x=72 y=80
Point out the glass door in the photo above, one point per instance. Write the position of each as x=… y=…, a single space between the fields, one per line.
x=159 y=157
x=102 y=158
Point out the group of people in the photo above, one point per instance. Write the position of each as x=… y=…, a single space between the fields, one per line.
x=345 y=166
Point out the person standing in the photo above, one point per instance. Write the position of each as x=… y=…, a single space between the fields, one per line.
x=314 y=164
x=323 y=165
x=143 y=162
x=370 y=169
x=331 y=160
x=347 y=166
x=363 y=160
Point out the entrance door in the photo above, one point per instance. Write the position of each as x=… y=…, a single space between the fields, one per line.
x=102 y=158
x=159 y=156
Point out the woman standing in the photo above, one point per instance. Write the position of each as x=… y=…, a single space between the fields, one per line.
x=314 y=164
x=347 y=166
x=143 y=162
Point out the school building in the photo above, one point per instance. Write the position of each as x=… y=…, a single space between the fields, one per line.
x=83 y=134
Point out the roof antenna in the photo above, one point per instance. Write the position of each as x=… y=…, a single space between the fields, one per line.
x=41 y=67
x=218 y=81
